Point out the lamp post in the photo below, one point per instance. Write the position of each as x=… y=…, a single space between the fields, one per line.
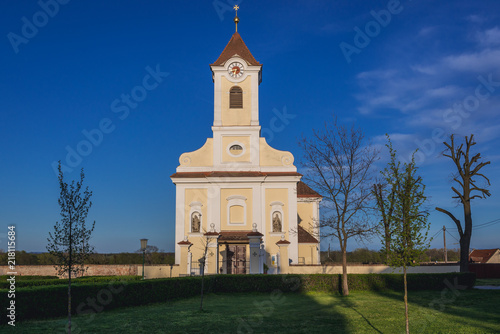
x=144 y=245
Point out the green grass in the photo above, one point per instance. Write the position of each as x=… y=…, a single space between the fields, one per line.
x=471 y=311
x=488 y=281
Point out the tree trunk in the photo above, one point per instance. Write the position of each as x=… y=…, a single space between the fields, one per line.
x=69 y=302
x=406 y=303
x=387 y=244
x=69 y=275
x=345 y=286
x=464 y=253
x=202 y=288
x=465 y=240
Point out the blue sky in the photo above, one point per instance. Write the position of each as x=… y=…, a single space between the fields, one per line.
x=412 y=72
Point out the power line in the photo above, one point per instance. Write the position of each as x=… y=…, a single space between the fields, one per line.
x=436 y=233
x=452 y=236
x=483 y=225
x=496 y=221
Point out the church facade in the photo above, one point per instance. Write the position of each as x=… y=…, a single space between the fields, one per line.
x=240 y=205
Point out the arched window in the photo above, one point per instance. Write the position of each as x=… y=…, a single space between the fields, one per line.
x=235 y=97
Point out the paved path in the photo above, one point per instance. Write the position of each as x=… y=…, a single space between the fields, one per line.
x=487 y=287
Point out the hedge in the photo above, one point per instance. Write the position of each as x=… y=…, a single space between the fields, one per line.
x=20 y=282
x=38 y=302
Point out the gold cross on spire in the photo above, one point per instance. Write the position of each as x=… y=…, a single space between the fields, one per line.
x=236 y=19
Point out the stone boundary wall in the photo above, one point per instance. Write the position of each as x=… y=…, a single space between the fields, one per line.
x=163 y=271
x=167 y=271
x=160 y=271
x=93 y=270
x=485 y=270
x=371 y=269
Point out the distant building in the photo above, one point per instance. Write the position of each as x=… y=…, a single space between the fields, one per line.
x=485 y=256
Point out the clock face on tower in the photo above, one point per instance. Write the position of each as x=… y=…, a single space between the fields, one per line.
x=235 y=70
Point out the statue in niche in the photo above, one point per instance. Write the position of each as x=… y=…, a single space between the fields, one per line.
x=195 y=222
x=277 y=222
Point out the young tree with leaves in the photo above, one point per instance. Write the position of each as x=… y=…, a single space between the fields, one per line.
x=339 y=166
x=408 y=221
x=467 y=171
x=384 y=195
x=69 y=242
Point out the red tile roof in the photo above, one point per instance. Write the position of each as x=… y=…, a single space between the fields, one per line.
x=236 y=46
x=303 y=190
x=232 y=174
x=283 y=242
x=305 y=237
x=234 y=235
x=482 y=255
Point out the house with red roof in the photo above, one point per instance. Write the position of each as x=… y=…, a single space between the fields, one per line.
x=485 y=256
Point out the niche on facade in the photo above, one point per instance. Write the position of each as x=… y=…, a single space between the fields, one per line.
x=196 y=224
x=277 y=217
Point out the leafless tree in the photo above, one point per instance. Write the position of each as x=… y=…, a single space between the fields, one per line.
x=468 y=168
x=338 y=165
x=206 y=241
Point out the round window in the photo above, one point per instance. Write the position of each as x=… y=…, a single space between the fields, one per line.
x=236 y=149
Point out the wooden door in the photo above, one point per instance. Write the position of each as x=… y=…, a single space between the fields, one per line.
x=237 y=259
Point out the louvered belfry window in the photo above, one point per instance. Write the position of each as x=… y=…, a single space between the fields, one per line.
x=235 y=97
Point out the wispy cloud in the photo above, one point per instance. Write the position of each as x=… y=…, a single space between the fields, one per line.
x=489 y=37
x=425 y=93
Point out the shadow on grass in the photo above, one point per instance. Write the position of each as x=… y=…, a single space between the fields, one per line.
x=466 y=307
x=346 y=302
x=272 y=312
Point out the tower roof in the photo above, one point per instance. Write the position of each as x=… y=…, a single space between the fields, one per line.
x=236 y=46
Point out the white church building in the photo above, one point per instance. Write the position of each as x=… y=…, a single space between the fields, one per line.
x=240 y=204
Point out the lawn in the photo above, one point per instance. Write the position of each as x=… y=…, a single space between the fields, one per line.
x=488 y=281
x=471 y=311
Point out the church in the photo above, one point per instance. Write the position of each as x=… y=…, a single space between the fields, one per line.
x=241 y=207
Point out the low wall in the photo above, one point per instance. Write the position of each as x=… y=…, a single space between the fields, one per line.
x=93 y=270
x=371 y=269
x=485 y=270
x=160 y=271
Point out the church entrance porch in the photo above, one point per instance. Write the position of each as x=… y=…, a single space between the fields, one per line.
x=235 y=248
x=236 y=259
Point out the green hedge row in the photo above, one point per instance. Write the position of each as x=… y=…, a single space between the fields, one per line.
x=51 y=301
x=378 y=282
x=21 y=283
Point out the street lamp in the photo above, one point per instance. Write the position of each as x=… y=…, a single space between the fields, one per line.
x=144 y=245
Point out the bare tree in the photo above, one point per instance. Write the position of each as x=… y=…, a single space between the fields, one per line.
x=467 y=169
x=208 y=238
x=338 y=165
x=69 y=243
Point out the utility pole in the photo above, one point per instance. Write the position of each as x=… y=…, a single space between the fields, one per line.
x=444 y=240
